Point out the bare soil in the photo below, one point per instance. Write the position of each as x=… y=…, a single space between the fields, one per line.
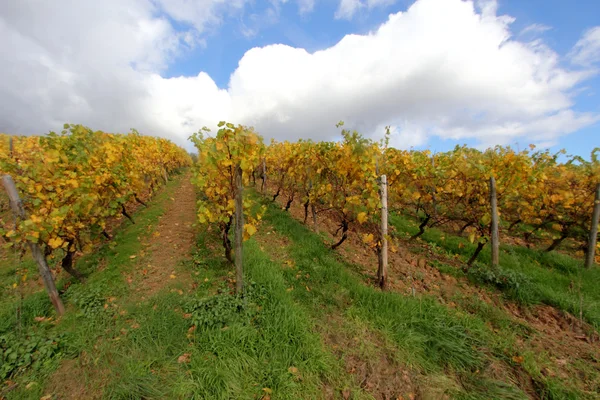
x=170 y=242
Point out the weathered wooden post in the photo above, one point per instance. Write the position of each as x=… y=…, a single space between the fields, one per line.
x=494 y=228
x=37 y=253
x=263 y=186
x=383 y=260
x=591 y=250
x=239 y=230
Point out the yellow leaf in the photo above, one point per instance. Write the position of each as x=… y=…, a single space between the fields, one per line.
x=361 y=217
x=518 y=359
x=172 y=276
x=55 y=243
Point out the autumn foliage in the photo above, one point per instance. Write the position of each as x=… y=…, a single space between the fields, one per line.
x=73 y=182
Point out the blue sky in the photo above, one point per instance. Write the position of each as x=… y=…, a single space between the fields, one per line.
x=439 y=72
x=561 y=24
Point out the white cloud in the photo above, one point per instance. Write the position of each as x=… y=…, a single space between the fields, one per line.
x=446 y=69
x=534 y=29
x=587 y=50
x=348 y=8
x=201 y=14
x=306 y=6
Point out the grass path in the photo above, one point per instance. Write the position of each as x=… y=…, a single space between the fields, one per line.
x=117 y=325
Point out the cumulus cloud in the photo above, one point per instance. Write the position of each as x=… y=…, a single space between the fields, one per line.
x=447 y=69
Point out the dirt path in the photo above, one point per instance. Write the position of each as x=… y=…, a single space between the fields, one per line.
x=165 y=244
x=171 y=241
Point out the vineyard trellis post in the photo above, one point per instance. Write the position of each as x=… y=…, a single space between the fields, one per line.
x=383 y=267
x=239 y=230
x=494 y=228
x=592 y=240
x=263 y=186
x=36 y=251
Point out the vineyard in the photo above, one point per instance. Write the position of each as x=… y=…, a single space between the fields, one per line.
x=345 y=269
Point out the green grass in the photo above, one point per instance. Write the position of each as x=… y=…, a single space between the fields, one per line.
x=429 y=337
x=462 y=350
x=549 y=278
x=86 y=325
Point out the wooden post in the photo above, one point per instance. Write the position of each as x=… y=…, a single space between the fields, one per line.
x=36 y=251
x=239 y=230
x=591 y=250
x=11 y=148
x=263 y=186
x=494 y=227
x=433 y=196
x=165 y=175
x=384 y=231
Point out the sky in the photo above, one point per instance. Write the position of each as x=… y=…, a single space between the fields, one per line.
x=438 y=72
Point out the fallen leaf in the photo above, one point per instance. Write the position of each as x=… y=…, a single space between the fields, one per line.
x=518 y=359
x=185 y=358
x=132 y=257
x=172 y=276
x=293 y=370
x=346 y=394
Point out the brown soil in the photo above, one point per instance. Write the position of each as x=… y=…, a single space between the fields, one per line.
x=169 y=243
x=71 y=381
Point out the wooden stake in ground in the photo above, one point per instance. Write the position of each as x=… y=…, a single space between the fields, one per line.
x=263 y=186
x=494 y=228
x=239 y=230
x=165 y=175
x=591 y=250
x=383 y=260
x=36 y=251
